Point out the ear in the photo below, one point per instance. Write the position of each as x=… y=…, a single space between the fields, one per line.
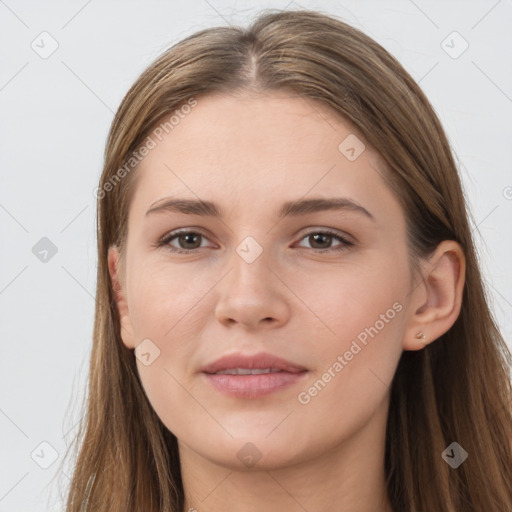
x=436 y=301
x=120 y=296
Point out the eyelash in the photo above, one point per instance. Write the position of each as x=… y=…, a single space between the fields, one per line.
x=165 y=241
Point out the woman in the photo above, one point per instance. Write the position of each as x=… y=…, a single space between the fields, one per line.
x=290 y=314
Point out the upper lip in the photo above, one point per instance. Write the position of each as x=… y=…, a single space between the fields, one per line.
x=252 y=362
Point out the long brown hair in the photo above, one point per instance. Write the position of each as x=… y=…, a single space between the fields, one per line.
x=457 y=388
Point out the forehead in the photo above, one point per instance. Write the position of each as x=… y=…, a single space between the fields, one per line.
x=238 y=148
x=257 y=127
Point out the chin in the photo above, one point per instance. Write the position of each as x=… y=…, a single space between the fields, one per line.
x=253 y=450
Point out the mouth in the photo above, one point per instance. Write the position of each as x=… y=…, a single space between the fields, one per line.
x=245 y=376
x=247 y=371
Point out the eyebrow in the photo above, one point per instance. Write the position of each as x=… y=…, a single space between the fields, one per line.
x=293 y=208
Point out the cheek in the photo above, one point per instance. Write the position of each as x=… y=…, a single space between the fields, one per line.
x=166 y=300
x=362 y=319
x=344 y=301
x=166 y=309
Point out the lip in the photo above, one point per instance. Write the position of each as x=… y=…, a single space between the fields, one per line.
x=262 y=360
x=253 y=386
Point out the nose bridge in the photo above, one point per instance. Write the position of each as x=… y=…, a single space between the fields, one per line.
x=250 y=263
x=251 y=292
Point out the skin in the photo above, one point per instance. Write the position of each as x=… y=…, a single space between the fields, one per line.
x=249 y=154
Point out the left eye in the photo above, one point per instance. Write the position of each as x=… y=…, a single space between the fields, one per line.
x=321 y=238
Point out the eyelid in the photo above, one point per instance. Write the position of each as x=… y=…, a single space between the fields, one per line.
x=345 y=239
x=165 y=240
x=332 y=231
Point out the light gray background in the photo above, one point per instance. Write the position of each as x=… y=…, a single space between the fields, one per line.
x=54 y=118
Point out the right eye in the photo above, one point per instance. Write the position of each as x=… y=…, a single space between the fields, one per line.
x=185 y=239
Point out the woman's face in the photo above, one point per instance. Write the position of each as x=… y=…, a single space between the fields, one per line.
x=325 y=289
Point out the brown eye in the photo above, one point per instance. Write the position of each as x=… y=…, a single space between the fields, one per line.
x=321 y=241
x=189 y=239
x=184 y=241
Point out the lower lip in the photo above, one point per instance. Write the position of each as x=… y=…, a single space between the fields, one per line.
x=253 y=386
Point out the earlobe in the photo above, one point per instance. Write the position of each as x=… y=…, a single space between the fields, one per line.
x=436 y=303
x=120 y=297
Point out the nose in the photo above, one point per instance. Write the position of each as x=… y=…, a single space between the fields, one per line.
x=253 y=295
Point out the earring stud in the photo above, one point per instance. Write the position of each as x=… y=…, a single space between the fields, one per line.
x=421 y=336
